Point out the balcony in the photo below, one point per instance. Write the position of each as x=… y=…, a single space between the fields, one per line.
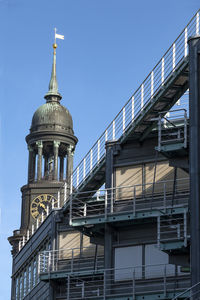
x=127 y=203
x=172 y=133
x=56 y=264
x=143 y=282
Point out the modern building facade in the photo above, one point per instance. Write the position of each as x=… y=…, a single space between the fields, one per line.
x=124 y=224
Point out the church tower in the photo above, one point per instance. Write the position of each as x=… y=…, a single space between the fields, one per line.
x=51 y=144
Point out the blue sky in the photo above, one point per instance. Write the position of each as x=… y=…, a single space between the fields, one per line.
x=110 y=46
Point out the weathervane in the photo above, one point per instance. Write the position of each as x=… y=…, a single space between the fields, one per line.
x=57 y=36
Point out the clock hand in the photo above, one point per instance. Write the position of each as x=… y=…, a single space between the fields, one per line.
x=42 y=205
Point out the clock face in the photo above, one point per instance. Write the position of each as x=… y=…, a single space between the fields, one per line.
x=40 y=203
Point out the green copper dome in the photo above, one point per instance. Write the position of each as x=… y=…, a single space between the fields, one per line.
x=52 y=115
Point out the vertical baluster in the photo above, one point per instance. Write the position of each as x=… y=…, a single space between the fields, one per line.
x=142 y=96
x=65 y=192
x=112 y=200
x=71 y=184
x=174 y=57
x=124 y=119
x=91 y=160
x=163 y=71
x=134 y=201
x=197 y=23
x=33 y=229
x=113 y=129
x=37 y=223
x=53 y=203
x=106 y=135
x=19 y=245
x=42 y=217
x=58 y=199
x=132 y=100
x=85 y=210
x=23 y=241
x=70 y=209
x=159 y=132
x=84 y=168
x=186 y=38
x=49 y=261
x=39 y=266
x=28 y=234
x=77 y=177
x=98 y=151
x=164 y=198
x=47 y=210
x=152 y=84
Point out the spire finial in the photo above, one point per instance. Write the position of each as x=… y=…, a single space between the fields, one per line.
x=53 y=94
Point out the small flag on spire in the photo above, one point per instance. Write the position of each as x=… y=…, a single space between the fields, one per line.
x=59 y=36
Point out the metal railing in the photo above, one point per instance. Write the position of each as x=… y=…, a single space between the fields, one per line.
x=71 y=260
x=132 y=199
x=192 y=293
x=172 y=228
x=172 y=128
x=130 y=282
x=149 y=88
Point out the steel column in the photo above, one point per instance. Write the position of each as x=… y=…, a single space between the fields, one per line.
x=194 y=106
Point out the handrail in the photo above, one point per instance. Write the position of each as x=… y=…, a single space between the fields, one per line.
x=132 y=186
x=132 y=199
x=186 y=291
x=125 y=282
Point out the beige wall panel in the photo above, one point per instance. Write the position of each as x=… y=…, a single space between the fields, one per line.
x=128 y=176
x=163 y=173
x=183 y=183
x=67 y=241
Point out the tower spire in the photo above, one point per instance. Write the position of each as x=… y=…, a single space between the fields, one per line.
x=53 y=94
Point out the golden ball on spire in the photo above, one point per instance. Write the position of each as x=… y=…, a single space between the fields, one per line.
x=55 y=46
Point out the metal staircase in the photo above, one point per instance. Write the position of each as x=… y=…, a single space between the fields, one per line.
x=161 y=89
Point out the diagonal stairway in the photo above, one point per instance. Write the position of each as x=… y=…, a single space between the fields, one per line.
x=161 y=89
